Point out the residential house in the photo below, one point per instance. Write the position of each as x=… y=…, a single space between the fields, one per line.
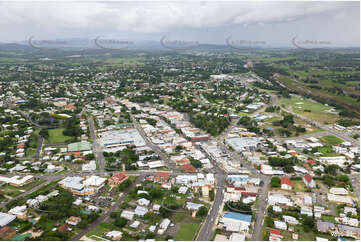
x=64 y=228
x=286 y=183
x=290 y=220
x=280 y=225
x=275 y=235
x=114 y=235
x=143 y=202
x=140 y=211
x=73 y=220
x=129 y=215
x=325 y=227
x=193 y=206
x=309 y=182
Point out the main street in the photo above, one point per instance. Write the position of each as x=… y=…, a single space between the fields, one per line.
x=171 y=165
x=96 y=146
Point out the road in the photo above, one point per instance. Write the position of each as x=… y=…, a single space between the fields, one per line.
x=207 y=230
x=257 y=234
x=38 y=148
x=113 y=208
x=96 y=146
x=171 y=165
x=355 y=180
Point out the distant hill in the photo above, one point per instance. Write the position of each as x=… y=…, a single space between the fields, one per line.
x=14 y=47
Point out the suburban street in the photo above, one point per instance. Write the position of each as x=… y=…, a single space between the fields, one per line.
x=107 y=213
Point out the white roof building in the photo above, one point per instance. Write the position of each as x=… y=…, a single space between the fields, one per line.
x=135 y=224
x=280 y=225
x=193 y=206
x=5 y=219
x=183 y=190
x=338 y=191
x=95 y=181
x=339 y=199
x=140 y=211
x=290 y=220
x=127 y=214
x=164 y=224
x=143 y=202
x=18 y=211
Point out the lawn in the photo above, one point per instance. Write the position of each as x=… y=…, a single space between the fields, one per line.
x=101 y=229
x=328 y=218
x=327 y=151
x=298 y=185
x=56 y=136
x=186 y=232
x=331 y=140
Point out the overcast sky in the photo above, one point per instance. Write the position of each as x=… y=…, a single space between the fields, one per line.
x=276 y=23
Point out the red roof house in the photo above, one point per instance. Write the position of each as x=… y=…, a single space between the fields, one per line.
x=64 y=228
x=286 y=183
x=312 y=162
x=309 y=182
x=188 y=168
x=162 y=177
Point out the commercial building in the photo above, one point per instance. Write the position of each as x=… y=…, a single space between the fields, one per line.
x=236 y=222
x=114 y=138
x=5 y=219
x=17 y=181
x=117 y=179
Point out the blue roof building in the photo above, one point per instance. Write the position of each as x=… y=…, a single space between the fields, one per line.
x=238 y=216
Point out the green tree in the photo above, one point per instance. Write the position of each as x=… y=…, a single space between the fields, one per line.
x=275 y=182
x=202 y=211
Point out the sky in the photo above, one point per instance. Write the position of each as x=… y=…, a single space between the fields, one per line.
x=258 y=23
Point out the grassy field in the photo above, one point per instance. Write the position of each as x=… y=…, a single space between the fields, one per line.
x=313 y=110
x=186 y=232
x=56 y=136
x=331 y=140
x=327 y=151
